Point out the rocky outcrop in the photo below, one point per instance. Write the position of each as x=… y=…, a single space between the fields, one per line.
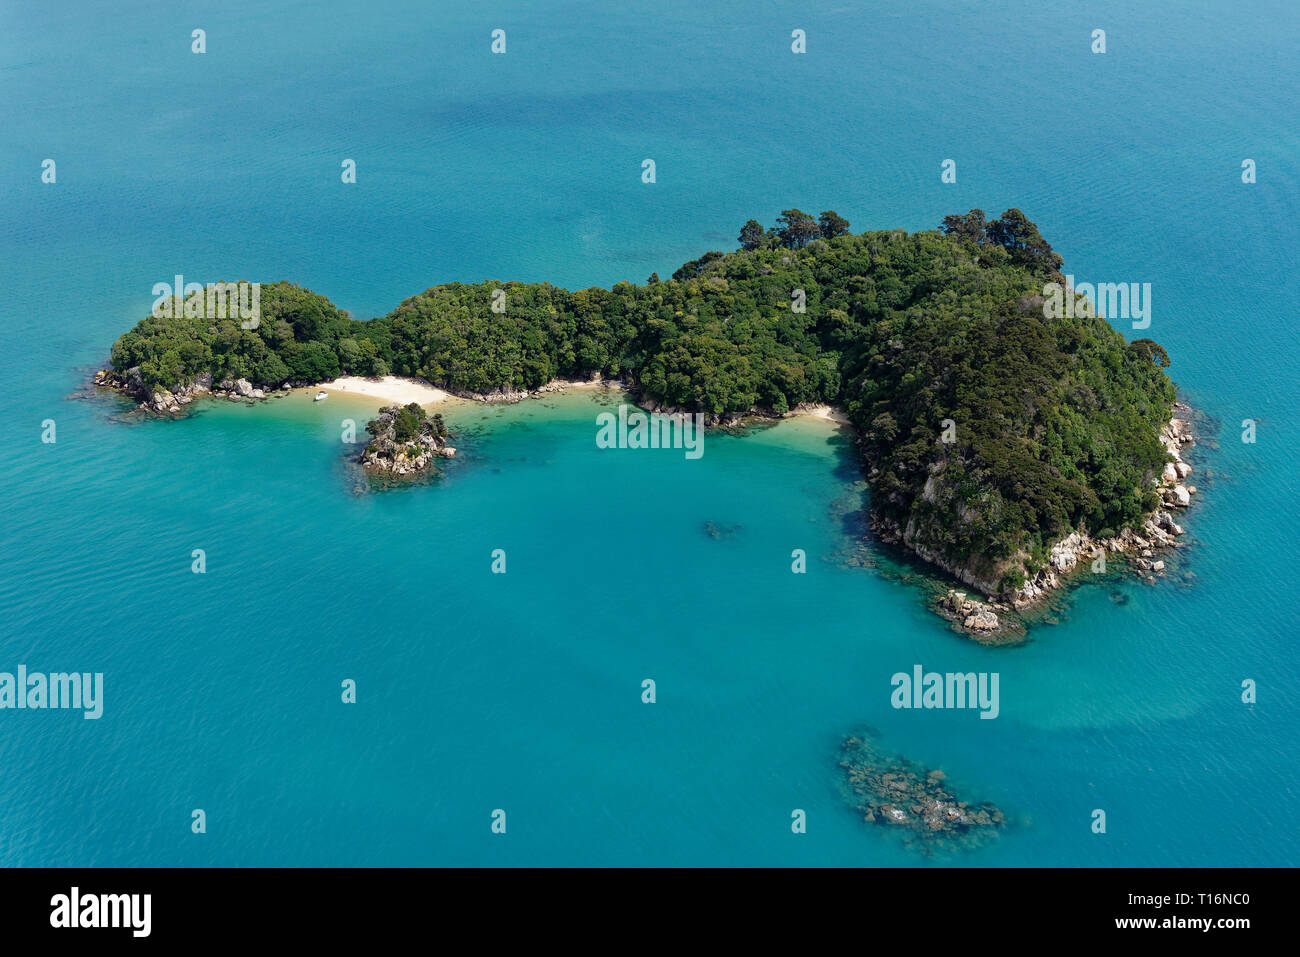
x=975 y=616
x=405 y=441
x=1078 y=551
x=172 y=401
x=1176 y=436
x=157 y=401
x=988 y=622
x=894 y=792
x=238 y=389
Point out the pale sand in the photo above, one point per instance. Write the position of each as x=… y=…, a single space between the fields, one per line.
x=828 y=412
x=390 y=389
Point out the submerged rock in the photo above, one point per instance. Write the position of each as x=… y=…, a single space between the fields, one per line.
x=894 y=792
x=720 y=529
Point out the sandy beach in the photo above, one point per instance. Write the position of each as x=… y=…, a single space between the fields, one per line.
x=390 y=389
x=828 y=412
x=396 y=389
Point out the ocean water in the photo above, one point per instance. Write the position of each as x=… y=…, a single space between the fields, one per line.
x=522 y=691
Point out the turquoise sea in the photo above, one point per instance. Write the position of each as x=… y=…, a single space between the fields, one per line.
x=522 y=691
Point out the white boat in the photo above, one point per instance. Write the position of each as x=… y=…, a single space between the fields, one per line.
x=320 y=395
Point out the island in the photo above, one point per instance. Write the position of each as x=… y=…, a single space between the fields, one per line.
x=1004 y=439
x=404 y=441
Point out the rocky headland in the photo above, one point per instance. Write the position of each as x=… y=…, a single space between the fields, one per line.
x=172 y=402
x=995 y=619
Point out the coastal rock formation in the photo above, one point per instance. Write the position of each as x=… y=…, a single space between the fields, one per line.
x=160 y=401
x=1176 y=436
x=731 y=421
x=239 y=389
x=404 y=441
x=894 y=792
x=975 y=616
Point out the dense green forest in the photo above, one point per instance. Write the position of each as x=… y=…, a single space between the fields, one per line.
x=1054 y=422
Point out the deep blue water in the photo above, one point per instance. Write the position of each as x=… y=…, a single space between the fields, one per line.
x=522 y=691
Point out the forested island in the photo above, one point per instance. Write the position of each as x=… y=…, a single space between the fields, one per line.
x=404 y=440
x=991 y=433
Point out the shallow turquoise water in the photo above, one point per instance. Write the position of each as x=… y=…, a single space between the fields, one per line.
x=522 y=691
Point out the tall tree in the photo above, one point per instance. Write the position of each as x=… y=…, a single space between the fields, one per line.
x=832 y=224
x=1021 y=238
x=1152 y=350
x=752 y=235
x=796 y=228
x=969 y=227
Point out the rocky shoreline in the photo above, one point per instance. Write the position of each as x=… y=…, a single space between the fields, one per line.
x=555 y=386
x=172 y=402
x=1076 y=552
x=738 y=420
